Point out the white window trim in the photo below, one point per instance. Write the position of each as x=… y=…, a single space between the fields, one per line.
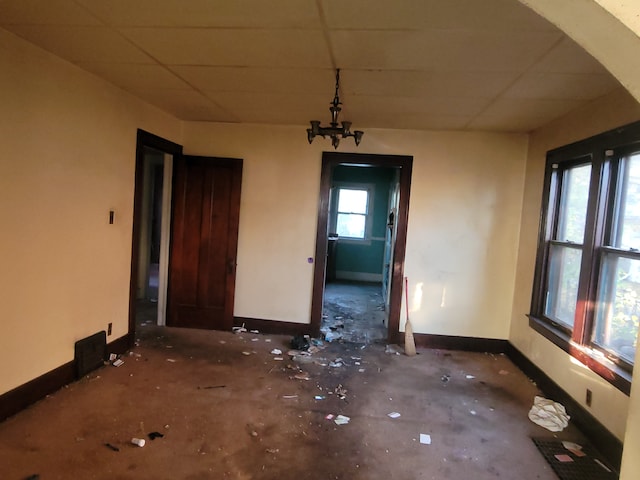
x=368 y=226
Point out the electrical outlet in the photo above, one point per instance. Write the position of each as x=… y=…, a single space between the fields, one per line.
x=109 y=327
x=589 y=397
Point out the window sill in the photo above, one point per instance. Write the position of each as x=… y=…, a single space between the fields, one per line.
x=612 y=373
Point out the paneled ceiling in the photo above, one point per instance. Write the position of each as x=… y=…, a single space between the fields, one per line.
x=405 y=64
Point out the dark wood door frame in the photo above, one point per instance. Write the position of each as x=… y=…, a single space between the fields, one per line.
x=144 y=140
x=330 y=160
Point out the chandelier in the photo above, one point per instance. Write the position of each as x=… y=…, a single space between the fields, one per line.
x=334 y=131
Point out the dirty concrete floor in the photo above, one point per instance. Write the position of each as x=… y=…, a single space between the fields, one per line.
x=228 y=415
x=354 y=312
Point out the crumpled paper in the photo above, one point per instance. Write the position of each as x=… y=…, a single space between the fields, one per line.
x=548 y=414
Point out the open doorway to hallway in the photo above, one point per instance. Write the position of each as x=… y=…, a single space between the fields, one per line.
x=360 y=247
x=151 y=224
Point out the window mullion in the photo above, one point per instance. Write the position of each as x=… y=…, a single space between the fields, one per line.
x=594 y=225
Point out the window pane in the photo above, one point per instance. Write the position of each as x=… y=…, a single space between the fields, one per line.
x=562 y=290
x=616 y=327
x=352 y=201
x=350 y=225
x=627 y=223
x=573 y=204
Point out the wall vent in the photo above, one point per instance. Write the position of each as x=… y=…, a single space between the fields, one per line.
x=90 y=353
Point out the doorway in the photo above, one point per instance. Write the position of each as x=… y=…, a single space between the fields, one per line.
x=360 y=246
x=151 y=224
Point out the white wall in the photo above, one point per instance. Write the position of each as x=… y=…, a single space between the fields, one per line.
x=464 y=209
x=68 y=157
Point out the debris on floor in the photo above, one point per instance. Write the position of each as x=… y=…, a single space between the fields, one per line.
x=425 y=439
x=138 y=441
x=392 y=350
x=341 y=420
x=299 y=342
x=393 y=414
x=548 y=414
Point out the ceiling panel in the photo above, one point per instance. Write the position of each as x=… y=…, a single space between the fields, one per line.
x=489 y=15
x=51 y=12
x=83 y=44
x=259 y=79
x=231 y=47
x=440 y=50
x=407 y=64
x=207 y=13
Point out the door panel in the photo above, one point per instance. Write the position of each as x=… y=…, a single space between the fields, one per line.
x=204 y=241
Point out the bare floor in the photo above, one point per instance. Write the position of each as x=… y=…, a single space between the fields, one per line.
x=354 y=312
x=227 y=409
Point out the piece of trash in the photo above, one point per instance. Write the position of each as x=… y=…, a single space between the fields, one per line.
x=445 y=378
x=548 y=414
x=319 y=397
x=330 y=416
x=602 y=465
x=255 y=339
x=238 y=329
x=391 y=350
x=290 y=396
x=112 y=447
x=393 y=414
x=255 y=331
x=117 y=362
x=361 y=370
x=112 y=357
x=425 y=439
x=246 y=353
x=171 y=360
x=332 y=336
x=278 y=358
x=574 y=448
x=138 y=441
x=563 y=458
x=299 y=342
x=341 y=392
x=472 y=412
x=335 y=364
x=272 y=450
x=503 y=372
x=276 y=351
x=268 y=340
x=341 y=420
x=470 y=377
x=154 y=435
x=302 y=376
x=223 y=342
x=254 y=433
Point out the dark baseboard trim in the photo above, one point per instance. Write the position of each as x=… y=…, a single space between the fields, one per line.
x=467 y=344
x=29 y=393
x=120 y=345
x=601 y=438
x=273 y=326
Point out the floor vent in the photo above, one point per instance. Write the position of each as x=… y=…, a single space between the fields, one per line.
x=588 y=465
x=90 y=353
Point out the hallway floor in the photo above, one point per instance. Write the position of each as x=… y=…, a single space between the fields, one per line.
x=354 y=312
x=227 y=409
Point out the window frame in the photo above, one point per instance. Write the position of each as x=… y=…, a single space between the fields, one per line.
x=368 y=223
x=604 y=152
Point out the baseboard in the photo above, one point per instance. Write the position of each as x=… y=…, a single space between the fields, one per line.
x=449 y=342
x=29 y=393
x=601 y=438
x=275 y=327
x=359 y=276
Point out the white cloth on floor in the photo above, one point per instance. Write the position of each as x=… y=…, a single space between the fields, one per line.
x=548 y=414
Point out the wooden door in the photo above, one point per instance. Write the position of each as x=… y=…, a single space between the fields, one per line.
x=204 y=240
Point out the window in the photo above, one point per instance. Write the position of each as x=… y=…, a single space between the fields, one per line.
x=352 y=212
x=586 y=295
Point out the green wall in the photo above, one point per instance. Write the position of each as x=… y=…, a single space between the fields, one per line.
x=365 y=257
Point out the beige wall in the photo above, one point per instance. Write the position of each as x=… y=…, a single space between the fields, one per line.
x=463 y=221
x=609 y=405
x=68 y=151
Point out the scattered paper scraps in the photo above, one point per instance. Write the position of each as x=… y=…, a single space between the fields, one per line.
x=425 y=439
x=563 y=458
x=393 y=414
x=341 y=420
